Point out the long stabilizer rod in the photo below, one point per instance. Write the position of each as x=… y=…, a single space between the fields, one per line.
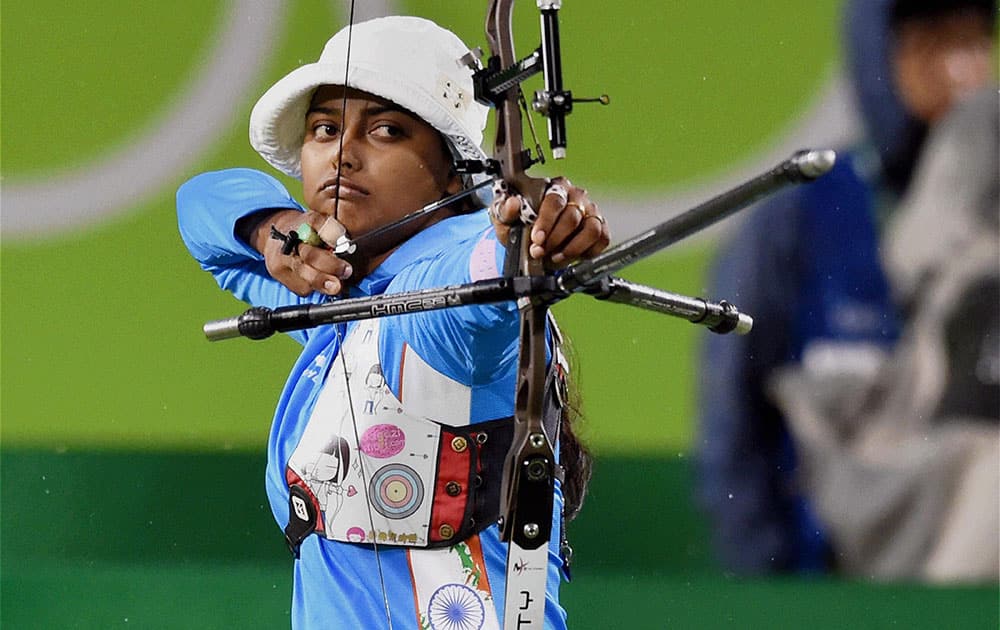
x=262 y=322
x=593 y=276
x=804 y=166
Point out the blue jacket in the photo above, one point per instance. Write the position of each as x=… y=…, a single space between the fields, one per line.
x=468 y=351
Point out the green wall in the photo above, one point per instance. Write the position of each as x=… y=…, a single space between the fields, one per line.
x=101 y=341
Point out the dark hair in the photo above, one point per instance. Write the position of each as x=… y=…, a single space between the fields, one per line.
x=574 y=457
x=908 y=10
x=578 y=464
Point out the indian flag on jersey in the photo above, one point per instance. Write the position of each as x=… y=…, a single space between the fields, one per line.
x=451 y=588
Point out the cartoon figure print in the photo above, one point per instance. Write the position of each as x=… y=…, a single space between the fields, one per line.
x=375 y=389
x=326 y=475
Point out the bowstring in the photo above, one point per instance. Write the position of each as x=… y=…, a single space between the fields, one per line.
x=342 y=338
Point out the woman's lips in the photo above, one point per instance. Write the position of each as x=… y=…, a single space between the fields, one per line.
x=343 y=189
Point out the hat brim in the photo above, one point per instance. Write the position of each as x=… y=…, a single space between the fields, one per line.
x=277 y=122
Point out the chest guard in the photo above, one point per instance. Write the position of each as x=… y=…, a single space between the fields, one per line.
x=399 y=478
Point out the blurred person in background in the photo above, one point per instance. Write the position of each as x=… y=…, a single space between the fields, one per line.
x=809 y=266
x=904 y=471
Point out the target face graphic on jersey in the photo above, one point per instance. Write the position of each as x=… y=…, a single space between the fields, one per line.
x=396 y=491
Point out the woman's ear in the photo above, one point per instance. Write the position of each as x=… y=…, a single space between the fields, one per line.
x=455 y=183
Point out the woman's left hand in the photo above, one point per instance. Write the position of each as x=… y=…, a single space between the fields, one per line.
x=569 y=225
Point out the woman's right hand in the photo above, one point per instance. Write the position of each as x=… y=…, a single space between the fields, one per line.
x=308 y=268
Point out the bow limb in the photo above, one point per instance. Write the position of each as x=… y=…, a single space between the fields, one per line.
x=509 y=148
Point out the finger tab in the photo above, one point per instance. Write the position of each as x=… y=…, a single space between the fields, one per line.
x=331 y=230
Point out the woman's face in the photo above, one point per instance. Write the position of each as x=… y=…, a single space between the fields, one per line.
x=940 y=61
x=391 y=163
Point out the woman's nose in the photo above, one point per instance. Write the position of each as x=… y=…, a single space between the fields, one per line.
x=347 y=152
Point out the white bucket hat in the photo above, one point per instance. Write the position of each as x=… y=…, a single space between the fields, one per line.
x=410 y=61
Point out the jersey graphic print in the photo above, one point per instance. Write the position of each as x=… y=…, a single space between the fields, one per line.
x=373 y=483
x=379 y=486
x=452 y=589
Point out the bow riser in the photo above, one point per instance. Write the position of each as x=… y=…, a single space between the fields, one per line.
x=528 y=484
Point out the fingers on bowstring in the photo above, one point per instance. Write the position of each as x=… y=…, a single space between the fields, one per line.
x=289 y=271
x=307 y=269
x=325 y=262
x=304 y=279
x=322 y=270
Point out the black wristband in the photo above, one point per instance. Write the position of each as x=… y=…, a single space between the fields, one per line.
x=246 y=226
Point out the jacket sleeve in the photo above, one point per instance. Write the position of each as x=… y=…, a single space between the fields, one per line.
x=208 y=207
x=742 y=442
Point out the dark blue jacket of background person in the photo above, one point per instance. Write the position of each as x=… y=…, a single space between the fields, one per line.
x=805 y=265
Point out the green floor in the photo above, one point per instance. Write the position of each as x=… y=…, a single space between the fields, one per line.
x=243 y=595
x=160 y=540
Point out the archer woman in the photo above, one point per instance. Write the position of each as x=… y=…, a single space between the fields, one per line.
x=387 y=445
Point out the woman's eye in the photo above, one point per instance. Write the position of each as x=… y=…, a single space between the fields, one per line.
x=324 y=130
x=387 y=130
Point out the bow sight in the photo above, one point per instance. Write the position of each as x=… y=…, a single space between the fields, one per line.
x=555 y=103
